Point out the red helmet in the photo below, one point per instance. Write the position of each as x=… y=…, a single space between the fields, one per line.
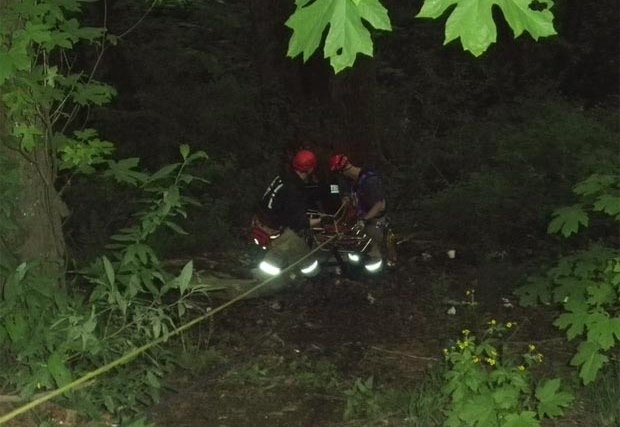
x=304 y=161
x=338 y=162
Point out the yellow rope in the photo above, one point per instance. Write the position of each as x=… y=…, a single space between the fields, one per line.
x=127 y=357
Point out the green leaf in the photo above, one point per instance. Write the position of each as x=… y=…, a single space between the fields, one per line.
x=609 y=204
x=109 y=270
x=520 y=17
x=590 y=359
x=20 y=55
x=480 y=410
x=164 y=172
x=523 y=419
x=536 y=290
x=37 y=33
x=58 y=369
x=13 y=287
x=185 y=277
x=574 y=323
x=28 y=134
x=347 y=36
x=6 y=67
x=551 y=400
x=90 y=33
x=435 y=8
x=122 y=171
x=567 y=220
x=184 y=149
x=506 y=397
x=196 y=156
x=152 y=380
x=596 y=184
x=156 y=327
x=570 y=288
x=93 y=93
x=308 y=24
x=176 y=228
x=602 y=328
x=17 y=328
x=601 y=294
x=109 y=403
x=472 y=20
x=374 y=12
x=181 y=309
x=616 y=327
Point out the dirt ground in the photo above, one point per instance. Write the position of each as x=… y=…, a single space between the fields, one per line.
x=318 y=354
x=288 y=360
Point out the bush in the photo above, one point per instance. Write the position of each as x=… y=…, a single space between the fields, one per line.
x=488 y=387
x=51 y=336
x=524 y=165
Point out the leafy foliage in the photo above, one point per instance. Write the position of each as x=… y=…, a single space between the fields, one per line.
x=52 y=336
x=347 y=35
x=472 y=21
x=601 y=192
x=479 y=201
x=39 y=93
x=362 y=401
x=587 y=284
x=489 y=388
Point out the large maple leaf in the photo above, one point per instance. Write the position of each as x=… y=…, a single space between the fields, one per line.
x=472 y=20
x=347 y=35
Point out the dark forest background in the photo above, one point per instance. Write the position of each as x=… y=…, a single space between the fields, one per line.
x=475 y=151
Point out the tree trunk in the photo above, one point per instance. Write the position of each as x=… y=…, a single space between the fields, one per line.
x=36 y=209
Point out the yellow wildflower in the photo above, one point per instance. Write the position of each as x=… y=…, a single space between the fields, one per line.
x=492 y=322
x=521 y=368
x=532 y=347
x=509 y=325
x=463 y=344
x=490 y=361
x=466 y=332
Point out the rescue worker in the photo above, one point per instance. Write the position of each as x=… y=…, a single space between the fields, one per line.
x=281 y=214
x=368 y=195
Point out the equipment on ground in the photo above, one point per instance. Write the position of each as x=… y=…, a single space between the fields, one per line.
x=343 y=246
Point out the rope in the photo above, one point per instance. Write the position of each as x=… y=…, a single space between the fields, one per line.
x=131 y=355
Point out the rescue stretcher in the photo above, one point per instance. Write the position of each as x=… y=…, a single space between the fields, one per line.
x=347 y=242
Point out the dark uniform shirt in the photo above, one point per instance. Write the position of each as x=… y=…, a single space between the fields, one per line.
x=284 y=203
x=368 y=190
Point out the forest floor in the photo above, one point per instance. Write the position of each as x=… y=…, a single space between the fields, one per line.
x=341 y=352
x=338 y=352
